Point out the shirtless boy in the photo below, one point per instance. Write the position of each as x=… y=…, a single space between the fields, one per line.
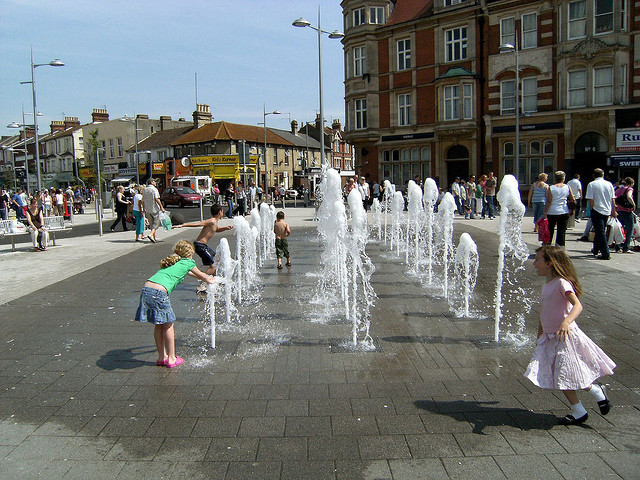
x=282 y=231
x=209 y=227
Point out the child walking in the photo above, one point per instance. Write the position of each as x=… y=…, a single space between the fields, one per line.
x=282 y=231
x=565 y=358
x=155 y=306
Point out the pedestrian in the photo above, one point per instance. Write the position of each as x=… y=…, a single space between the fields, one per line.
x=17 y=204
x=576 y=188
x=155 y=306
x=5 y=201
x=138 y=213
x=556 y=209
x=282 y=231
x=625 y=206
x=601 y=198
x=471 y=196
x=538 y=198
x=229 y=193
x=152 y=206
x=121 y=210
x=490 y=195
x=39 y=234
x=46 y=203
x=566 y=358
x=59 y=203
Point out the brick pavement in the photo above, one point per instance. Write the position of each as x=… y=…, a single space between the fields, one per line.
x=81 y=396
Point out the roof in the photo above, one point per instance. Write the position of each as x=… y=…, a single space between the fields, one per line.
x=407 y=10
x=61 y=133
x=163 y=138
x=457 y=72
x=230 y=131
x=299 y=140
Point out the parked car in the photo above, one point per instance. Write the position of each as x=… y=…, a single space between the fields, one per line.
x=180 y=196
x=291 y=193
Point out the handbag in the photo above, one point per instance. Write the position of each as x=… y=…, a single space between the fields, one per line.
x=571 y=205
x=623 y=200
x=544 y=235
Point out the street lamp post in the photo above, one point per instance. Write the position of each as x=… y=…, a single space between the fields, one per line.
x=24 y=126
x=266 y=163
x=301 y=22
x=505 y=48
x=99 y=199
x=52 y=63
x=13 y=167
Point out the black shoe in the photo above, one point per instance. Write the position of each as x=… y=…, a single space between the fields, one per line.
x=583 y=239
x=605 y=405
x=602 y=257
x=571 y=420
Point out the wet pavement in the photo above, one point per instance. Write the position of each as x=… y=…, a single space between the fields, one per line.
x=81 y=396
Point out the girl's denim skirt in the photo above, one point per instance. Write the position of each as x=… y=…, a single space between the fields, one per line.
x=155 y=307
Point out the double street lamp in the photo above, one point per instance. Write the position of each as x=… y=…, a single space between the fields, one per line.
x=301 y=22
x=508 y=48
x=24 y=126
x=266 y=163
x=136 y=129
x=53 y=63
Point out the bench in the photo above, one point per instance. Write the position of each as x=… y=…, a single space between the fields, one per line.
x=52 y=224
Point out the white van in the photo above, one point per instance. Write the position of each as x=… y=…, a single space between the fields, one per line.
x=200 y=183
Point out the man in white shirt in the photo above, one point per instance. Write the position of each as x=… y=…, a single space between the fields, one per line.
x=576 y=188
x=455 y=191
x=601 y=197
x=363 y=188
x=152 y=207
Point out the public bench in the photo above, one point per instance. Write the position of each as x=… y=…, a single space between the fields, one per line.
x=52 y=224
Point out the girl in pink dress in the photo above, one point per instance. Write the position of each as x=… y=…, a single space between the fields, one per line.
x=565 y=358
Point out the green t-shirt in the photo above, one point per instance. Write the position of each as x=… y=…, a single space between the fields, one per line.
x=171 y=276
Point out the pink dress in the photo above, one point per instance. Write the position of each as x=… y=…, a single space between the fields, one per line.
x=570 y=364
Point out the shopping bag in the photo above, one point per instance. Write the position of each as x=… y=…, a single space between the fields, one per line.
x=615 y=234
x=165 y=220
x=544 y=235
x=636 y=227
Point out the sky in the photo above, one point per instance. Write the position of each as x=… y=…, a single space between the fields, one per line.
x=141 y=56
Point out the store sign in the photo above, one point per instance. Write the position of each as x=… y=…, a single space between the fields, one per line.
x=221 y=159
x=127 y=172
x=110 y=169
x=158 y=168
x=627 y=140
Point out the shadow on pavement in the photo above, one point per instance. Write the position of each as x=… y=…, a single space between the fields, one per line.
x=124 y=358
x=482 y=415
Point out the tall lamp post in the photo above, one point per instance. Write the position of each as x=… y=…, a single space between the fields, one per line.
x=507 y=48
x=301 y=22
x=24 y=126
x=136 y=130
x=99 y=199
x=53 y=63
x=266 y=164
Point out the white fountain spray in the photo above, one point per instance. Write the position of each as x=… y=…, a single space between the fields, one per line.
x=267 y=246
x=466 y=268
x=511 y=242
x=444 y=239
x=415 y=224
x=226 y=268
x=429 y=199
x=389 y=190
x=246 y=256
x=376 y=210
x=397 y=207
x=256 y=222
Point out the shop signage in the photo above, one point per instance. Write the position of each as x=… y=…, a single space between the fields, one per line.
x=627 y=140
x=126 y=172
x=110 y=169
x=220 y=159
x=408 y=136
x=625 y=161
x=158 y=168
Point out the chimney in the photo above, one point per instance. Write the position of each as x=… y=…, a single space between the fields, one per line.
x=99 y=115
x=318 y=123
x=202 y=115
x=142 y=116
x=71 y=122
x=57 y=126
x=336 y=126
x=294 y=127
x=28 y=132
x=164 y=120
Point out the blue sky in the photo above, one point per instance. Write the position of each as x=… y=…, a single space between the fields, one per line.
x=140 y=56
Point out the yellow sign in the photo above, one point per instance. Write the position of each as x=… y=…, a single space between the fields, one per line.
x=142 y=169
x=221 y=159
x=87 y=172
x=159 y=168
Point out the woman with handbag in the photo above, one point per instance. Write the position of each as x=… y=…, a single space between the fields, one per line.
x=625 y=206
x=557 y=210
x=538 y=198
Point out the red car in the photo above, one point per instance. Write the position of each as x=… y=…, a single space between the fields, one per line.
x=180 y=196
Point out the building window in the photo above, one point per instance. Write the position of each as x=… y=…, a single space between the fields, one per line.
x=358 y=17
x=603 y=86
x=508 y=31
x=623 y=15
x=467 y=101
x=360 y=111
x=603 y=10
x=404 y=109
x=452 y=102
x=508 y=97
x=455 y=41
x=359 y=61
x=577 y=19
x=577 y=86
x=529 y=95
x=530 y=163
x=404 y=54
x=112 y=151
x=448 y=3
x=120 y=153
x=623 y=85
x=529 y=30
x=425 y=162
x=376 y=15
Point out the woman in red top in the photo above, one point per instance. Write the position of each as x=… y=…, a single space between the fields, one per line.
x=625 y=206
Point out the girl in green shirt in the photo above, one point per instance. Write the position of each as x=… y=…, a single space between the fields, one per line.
x=155 y=306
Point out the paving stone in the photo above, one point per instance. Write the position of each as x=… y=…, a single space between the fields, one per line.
x=625 y=464
x=580 y=466
x=286 y=408
x=261 y=470
x=87 y=448
x=533 y=442
x=434 y=445
x=354 y=426
x=95 y=470
x=372 y=406
x=580 y=440
x=242 y=408
x=317 y=470
x=171 y=427
x=333 y=448
x=527 y=467
x=216 y=427
x=14 y=433
x=308 y=426
x=400 y=424
x=183 y=450
x=337 y=406
x=287 y=448
x=365 y=470
x=383 y=447
x=126 y=427
x=473 y=444
x=418 y=469
x=199 y=470
x=233 y=449
x=472 y=468
x=262 y=427
x=203 y=408
x=134 y=449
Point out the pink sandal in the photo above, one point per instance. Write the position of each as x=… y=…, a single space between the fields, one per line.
x=179 y=361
